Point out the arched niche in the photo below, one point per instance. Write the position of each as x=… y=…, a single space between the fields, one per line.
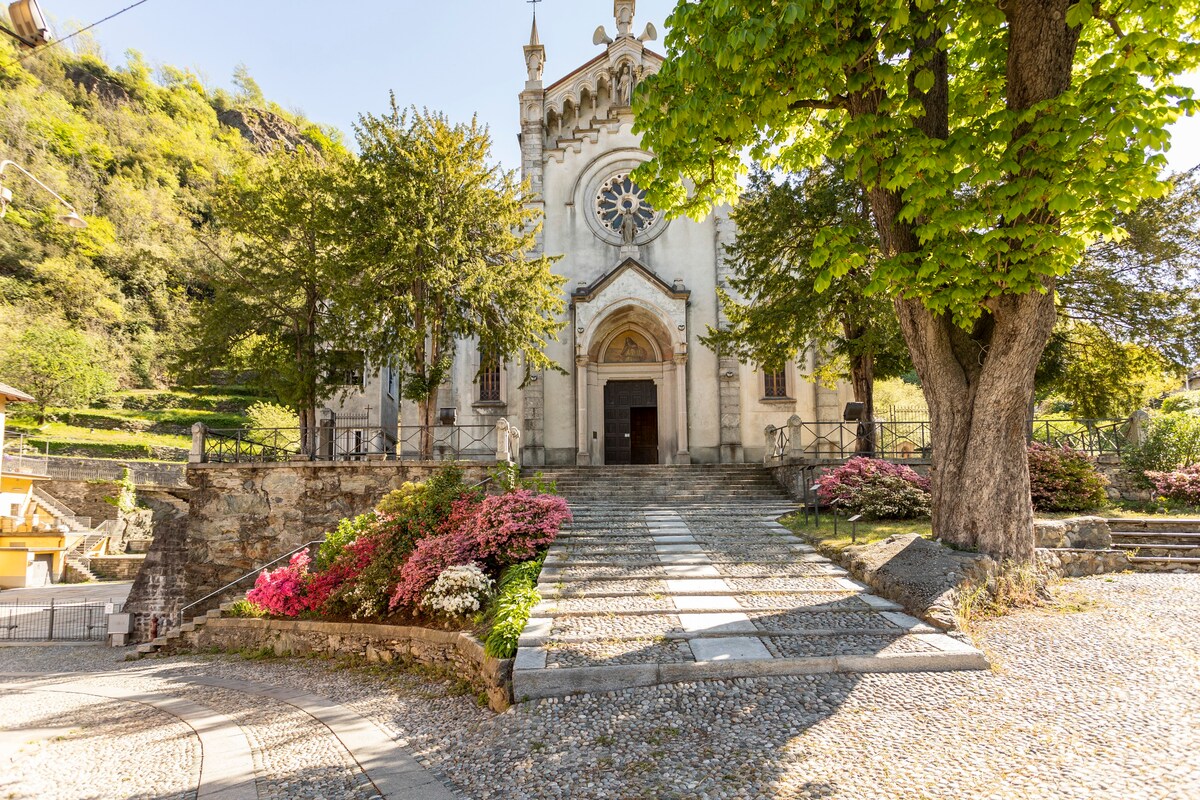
x=643 y=326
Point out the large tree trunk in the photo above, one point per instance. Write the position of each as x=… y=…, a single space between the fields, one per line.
x=427 y=410
x=862 y=378
x=978 y=384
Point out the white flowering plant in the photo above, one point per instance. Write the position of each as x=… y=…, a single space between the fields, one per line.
x=458 y=591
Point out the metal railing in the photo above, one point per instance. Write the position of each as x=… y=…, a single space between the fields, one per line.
x=15 y=464
x=328 y=443
x=142 y=474
x=316 y=543
x=912 y=440
x=445 y=442
x=52 y=622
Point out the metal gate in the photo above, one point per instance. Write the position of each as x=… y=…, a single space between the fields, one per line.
x=55 y=622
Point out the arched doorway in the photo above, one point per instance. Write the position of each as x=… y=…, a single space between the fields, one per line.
x=631 y=389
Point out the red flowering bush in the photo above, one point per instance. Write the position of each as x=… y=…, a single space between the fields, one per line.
x=428 y=560
x=1062 y=479
x=495 y=532
x=332 y=590
x=875 y=488
x=1182 y=485
x=512 y=527
x=283 y=592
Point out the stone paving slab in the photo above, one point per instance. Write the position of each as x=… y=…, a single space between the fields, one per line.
x=707 y=593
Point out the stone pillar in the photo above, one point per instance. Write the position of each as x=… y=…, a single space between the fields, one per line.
x=503 y=455
x=683 y=454
x=729 y=397
x=582 y=428
x=769 y=444
x=533 y=138
x=795 y=439
x=199 y=434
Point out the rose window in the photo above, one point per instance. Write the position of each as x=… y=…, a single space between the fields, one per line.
x=620 y=198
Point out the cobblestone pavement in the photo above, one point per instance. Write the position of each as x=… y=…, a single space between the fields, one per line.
x=1094 y=698
x=612 y=572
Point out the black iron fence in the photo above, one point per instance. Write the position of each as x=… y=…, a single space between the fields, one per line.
x=55 y=622
x=912 y=440
x=328 y=443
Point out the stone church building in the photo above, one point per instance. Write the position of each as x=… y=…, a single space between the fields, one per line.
x=639 y=386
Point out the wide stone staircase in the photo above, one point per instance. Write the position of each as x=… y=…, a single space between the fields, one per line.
x=683 y=573
x=1159 y=544
x=634 y=486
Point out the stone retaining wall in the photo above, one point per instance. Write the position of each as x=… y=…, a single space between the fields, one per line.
x=457 y=653
x=116 y=568
x=242 y=516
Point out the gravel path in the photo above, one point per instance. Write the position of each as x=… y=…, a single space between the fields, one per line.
x=1095 y=700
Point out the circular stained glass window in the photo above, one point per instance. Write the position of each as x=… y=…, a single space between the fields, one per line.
x=620 y=198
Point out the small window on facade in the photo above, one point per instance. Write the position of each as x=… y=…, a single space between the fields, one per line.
x=774 y=384
x=489 y=381
x=347 y=368
x=391 y=382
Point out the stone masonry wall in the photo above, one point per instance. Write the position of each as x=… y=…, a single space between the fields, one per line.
x=457 y=653
x=85 y=498
x=116 y=568
x=242 y=516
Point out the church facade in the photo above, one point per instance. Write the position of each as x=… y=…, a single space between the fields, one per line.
x=639 y=386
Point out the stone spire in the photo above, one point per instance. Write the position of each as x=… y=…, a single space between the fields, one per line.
x=535 y=54
x=623 y=13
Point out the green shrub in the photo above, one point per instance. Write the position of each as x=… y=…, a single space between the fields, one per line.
x=1062 y=479
x=514 y=600
x=1181 y=401
x=346 y=532
x=1172 y=442
x=270 y=415
x=244 y=608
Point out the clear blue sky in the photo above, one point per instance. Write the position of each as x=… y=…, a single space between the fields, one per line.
x=333 y=60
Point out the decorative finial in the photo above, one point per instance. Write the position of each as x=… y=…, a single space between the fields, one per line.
x=623 y=12
x=535 y=54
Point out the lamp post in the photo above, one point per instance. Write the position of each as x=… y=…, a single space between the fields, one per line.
x=71 y=218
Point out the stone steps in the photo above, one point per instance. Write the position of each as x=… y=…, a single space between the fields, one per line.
x=1158 y=545
x=156 y=644
x=662 y=595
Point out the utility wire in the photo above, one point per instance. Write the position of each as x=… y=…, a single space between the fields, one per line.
x=33 y=53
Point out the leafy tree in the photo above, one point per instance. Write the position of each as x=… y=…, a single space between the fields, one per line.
x=268 y=312
x=1144 y=289
x=56 y=366
x=994 y=143
x=443 y=238
x=1099 y=376
x=781 y=304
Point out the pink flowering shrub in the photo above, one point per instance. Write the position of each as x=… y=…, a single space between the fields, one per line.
x=1182 y=485
x=284 y=591
x=430 y=558
x=512 y=527
x=495 y=532
x=876 y=489
x=1062 y=479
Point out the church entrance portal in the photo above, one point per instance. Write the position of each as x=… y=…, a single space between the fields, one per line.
x=630 y=422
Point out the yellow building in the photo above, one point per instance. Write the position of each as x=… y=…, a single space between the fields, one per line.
x=32 y=546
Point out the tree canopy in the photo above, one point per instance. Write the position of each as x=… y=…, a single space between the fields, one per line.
x=446 y=256
x=994 y=143
x=775 y=310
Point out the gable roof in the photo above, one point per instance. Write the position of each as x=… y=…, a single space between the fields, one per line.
x=14 y=395
x=589 y=292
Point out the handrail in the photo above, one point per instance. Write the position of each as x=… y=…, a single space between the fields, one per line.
x=254 y=571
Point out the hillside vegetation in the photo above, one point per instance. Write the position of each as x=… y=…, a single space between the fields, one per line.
x=138 y=150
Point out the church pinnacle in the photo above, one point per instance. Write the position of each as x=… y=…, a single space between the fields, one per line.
x=535 y=53
x=623 y=11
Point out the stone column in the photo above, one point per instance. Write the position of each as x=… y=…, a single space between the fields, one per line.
x=532 y=103
x=729 y=382
x=199 y=433
x=683 y=453
x=582 y=428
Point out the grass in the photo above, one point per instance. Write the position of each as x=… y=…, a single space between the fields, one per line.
x=864 y=532
x=138 y=424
